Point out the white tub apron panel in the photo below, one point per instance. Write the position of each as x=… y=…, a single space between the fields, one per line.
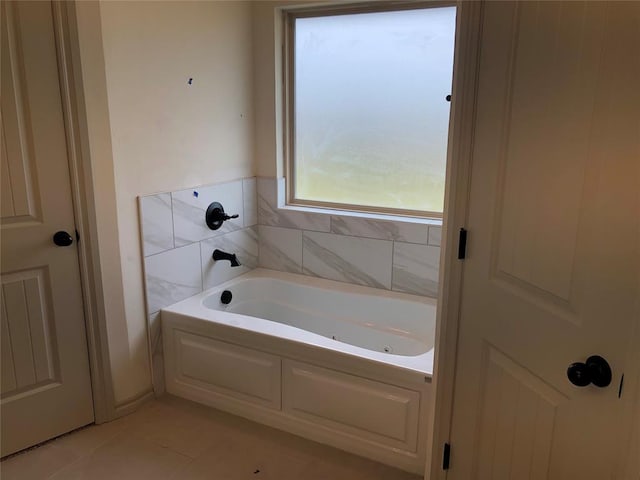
x=227 y=369
x=373 y=410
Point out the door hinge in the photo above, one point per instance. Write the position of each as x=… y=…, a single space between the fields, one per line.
x=621 y=385
x=446 y=456
x=462 y=244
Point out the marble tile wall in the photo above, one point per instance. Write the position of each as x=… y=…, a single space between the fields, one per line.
x=177 y=246
x=400 y=255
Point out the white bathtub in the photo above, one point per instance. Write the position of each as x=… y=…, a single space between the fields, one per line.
x=345 y=365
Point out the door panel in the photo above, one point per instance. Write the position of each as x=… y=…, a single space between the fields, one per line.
x=18 y=183
x=545 y=146
x=26 y=319
x=517 y=420
x=551 y=275
x=46 y=388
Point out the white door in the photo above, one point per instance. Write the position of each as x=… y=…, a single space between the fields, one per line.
x=46 y=389
x=553 y=259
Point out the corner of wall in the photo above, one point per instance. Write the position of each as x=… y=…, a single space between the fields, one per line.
x=266 y=70
x=98 y=148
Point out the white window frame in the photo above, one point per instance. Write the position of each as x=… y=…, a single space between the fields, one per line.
x=289 y=16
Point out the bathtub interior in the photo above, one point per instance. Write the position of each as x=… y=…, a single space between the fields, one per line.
x=391 y=323
x=341 y=331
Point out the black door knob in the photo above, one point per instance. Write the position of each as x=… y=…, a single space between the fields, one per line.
x=62 y=239
x=578 y=374
x=595 y=370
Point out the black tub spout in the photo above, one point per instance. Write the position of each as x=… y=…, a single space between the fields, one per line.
x=231 y=257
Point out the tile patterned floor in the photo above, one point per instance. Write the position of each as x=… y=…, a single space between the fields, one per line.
x=174 y=439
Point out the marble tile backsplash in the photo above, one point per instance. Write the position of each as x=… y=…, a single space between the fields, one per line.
x=415 y=268
x=280 y=248
x=384 y=230
x=157 y=355
x=244 y=243
x=269 y=213
x=374 y=251
x=189 y=207
x=172 y=276
x=177 y=245
x=364 y=261
x=156 y=223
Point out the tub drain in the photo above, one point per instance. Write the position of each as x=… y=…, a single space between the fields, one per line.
x=387 y=349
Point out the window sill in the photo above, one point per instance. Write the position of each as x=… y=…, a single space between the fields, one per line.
x=363 y=215
x=272 y=212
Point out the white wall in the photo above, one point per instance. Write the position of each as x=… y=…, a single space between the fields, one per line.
x=268 y=142
x=125 y=383
x=165 y=134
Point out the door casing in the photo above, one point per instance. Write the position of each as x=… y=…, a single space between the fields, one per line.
x=85 y=213
x=82 y=195
x=83 y=90
x=458 y=178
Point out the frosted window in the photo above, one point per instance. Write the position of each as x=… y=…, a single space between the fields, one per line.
x=371 y=119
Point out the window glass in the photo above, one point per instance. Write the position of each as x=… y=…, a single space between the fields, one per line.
x=370 y=116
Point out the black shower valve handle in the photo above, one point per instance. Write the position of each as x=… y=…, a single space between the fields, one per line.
x=216 y=216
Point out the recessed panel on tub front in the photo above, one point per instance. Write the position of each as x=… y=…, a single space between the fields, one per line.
x=228 y=369
x=376 y=411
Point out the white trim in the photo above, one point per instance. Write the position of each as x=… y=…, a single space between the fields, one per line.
x=128 y=406
x=84 y=210
x=466 y=61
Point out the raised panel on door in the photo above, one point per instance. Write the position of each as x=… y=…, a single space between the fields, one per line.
x=46 y=387
x=545 y=148
x=29 y=343
x=551 y=275
x=20 y=200
x=516 y=422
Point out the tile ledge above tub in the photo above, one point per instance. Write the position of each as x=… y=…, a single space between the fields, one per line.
x=273 y=211
x=385 y=217
x=282 y=205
